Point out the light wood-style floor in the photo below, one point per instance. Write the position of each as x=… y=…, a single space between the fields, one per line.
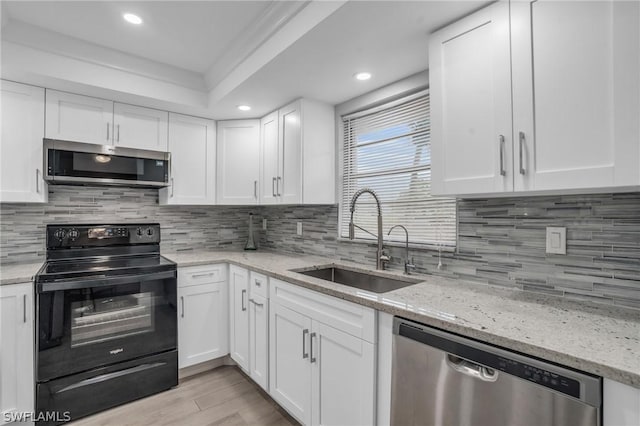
x=223 y=396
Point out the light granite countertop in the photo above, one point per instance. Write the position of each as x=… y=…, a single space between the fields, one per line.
x=18 y=273
x=599 y=339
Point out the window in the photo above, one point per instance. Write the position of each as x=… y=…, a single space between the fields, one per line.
x=387 y=149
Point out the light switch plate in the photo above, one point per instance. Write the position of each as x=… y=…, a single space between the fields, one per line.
x=299 y=228
x=556 y=240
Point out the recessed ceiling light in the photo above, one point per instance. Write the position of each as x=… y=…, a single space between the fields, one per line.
x=362 y=76
x=132 y=19
x=244 y=107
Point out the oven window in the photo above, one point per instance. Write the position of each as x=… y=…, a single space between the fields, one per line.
x=96 y=320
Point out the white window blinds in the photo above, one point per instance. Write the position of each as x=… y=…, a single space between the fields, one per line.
x=387 y=149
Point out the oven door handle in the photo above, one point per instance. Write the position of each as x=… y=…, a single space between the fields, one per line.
x=103 y=282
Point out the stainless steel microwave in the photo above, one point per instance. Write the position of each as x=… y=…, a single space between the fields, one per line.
x=75 y=163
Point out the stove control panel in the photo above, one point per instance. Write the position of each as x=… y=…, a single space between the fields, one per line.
x=67 y=236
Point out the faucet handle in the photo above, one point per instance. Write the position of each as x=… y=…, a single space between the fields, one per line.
x=408 y=266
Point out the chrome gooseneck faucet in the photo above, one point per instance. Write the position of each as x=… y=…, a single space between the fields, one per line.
x=408 y=264
x=381 y=257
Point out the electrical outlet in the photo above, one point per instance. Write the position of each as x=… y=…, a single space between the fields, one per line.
x=299 y=229
x=264 y=224
x=556 y=240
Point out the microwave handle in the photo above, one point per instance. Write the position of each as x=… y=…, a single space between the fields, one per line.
x=103 y=282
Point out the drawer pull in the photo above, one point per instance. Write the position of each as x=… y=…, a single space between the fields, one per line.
x=244 y=307
x=207 y=274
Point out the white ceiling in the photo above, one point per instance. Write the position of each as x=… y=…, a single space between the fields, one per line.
x=185 y=34
x=211 y=39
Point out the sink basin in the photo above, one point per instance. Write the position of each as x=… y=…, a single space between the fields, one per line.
x=361 y=280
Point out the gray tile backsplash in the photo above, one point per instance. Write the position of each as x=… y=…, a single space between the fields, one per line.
x=183 y=227
x=500 y=241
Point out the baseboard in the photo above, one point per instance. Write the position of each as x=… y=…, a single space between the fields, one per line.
x=205 y=366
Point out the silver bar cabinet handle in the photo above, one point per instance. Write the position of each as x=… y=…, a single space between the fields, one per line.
x=503 y=172
x=118 y=134
x=207 y=274
x=172 y=186
x=24 y=308
x=312 y=360
x=38 y=181
x=305 y=354
x=273 y=186
x=521 y=140
x=108 y=125
x=255 y=189
x=278 y=186
x=182 y=303
x=244 y=308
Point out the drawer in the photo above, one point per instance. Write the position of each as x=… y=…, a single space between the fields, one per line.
x=349 y=317
x=195 y=275
x=258 y=284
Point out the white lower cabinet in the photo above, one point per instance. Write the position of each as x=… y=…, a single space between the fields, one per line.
x=621 y=404
x=239 y=315
x=259 y=330
x=289 y=365
x=203 y=332
x=17 y=350
x=321 y=374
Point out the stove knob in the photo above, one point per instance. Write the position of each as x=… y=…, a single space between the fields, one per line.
x=150 y=232
x=139 y=232
x=73 y=234
x=60 y=234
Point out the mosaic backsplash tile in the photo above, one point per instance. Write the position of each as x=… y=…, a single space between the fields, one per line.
x=500 y=241
x=22 y=226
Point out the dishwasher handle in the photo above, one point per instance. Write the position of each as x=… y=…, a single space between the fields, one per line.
x=472 y=369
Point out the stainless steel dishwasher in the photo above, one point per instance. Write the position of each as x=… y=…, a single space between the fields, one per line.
x=443 y=379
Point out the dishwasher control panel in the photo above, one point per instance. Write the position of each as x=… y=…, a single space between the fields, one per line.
x=540 y=376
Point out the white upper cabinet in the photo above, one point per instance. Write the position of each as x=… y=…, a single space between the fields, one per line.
x=78 y=118
x=269 y=158
x=192 y=143
x=297 y=154
x=574 y=74
x=238 y=163
x=140 y=128
x=21 y=144
x=290 y=179
x=470 y=91
x=576 y=92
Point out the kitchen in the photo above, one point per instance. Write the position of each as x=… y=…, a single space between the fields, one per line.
x=260 y=212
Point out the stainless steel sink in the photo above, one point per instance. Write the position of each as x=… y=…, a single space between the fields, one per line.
x=361 y=280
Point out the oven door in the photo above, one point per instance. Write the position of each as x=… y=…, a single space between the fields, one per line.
x=84 y=324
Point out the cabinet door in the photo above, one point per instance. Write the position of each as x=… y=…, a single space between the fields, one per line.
x=343 y=371
x=268 y=158
x=239 y=305
x=21 y=144
x=202 y=323
x=289 y=366
x=140 y=128
x=192 y=143
x=16 y=357
x=470 y=89
x=289 y=179
x=238 y=168
x=576 y=91
x=78 y=118
x=259 y=340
